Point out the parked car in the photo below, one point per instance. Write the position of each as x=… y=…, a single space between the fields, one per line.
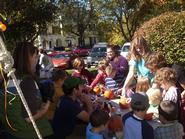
x=63 y=60
x=97 y=53
x=59 y=48
x=125 y=49
x=81 y=51
x=51 y=53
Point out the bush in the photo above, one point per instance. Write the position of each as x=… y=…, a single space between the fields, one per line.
x=166 y=34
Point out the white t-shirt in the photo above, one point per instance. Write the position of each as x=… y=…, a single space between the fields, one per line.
x=170 y=94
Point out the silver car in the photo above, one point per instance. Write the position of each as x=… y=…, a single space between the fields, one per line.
x=97 y=53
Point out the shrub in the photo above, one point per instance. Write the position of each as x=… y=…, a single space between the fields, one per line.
x=166 y=34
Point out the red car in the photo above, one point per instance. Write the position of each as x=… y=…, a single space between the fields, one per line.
x=80 y=51
x=51 y=53
x=63 y=60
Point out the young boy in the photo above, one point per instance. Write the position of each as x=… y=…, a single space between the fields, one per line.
x=135 y=125
x=154 y=96
x=98 y=123
x=110 y=83
x=69 y=109
x=170 y=128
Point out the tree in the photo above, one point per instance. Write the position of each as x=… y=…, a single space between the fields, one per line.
x=78 y=18
x=166 y=34
x=124 y=15
x=27 y=19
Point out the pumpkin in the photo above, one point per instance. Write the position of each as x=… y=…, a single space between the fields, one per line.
x=149 y=116
x=124 y=102
x=97 y=90
x=108 y=94
x=115 y=123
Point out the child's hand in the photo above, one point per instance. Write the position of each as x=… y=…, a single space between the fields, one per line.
x=87 y=89
x=118 y=92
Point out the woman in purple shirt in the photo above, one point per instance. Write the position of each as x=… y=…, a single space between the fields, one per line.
x=118 y=62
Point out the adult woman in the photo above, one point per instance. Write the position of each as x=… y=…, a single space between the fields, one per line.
x=138 y=55
x=25 y=59
x=118 y=62
x=46 y=65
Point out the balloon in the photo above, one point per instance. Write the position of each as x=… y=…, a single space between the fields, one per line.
x=2 y=26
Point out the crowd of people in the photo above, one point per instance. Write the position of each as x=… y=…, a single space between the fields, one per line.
x=64 y=100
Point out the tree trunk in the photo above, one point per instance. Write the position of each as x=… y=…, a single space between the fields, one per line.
x=81 y=40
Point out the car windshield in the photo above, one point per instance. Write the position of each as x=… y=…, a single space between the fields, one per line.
x=62 y=56
x=125 y=48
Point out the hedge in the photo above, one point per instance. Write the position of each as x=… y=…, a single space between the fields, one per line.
x=166 y=34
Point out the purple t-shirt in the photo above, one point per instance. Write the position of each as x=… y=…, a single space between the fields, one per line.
x=121 y=65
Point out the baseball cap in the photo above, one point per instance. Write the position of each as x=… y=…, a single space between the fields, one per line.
x=139 y=101
x=72 y=82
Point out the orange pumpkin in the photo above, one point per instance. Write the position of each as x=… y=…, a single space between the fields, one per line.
x=115 y=123
x=108 y=94
x=2 y=26
x=124 y=103
x=97 y=90
x=149 y=116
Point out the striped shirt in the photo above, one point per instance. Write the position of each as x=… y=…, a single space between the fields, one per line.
x=111 y=84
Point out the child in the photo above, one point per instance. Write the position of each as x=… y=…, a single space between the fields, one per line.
x=58 y=77
x=182 y=83
x=98 y=123
x=68 y=109
x=155 y=97
x=166 y=78
x=170 y=128
x=100 y=77
x=142 y=85
x=80 y=71
x=110 y=83
x=155 y=61
x=135 y=127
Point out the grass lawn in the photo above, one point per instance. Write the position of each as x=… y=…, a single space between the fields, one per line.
x=92 y=70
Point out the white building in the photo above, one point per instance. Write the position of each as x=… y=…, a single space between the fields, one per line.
x=54 y=37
